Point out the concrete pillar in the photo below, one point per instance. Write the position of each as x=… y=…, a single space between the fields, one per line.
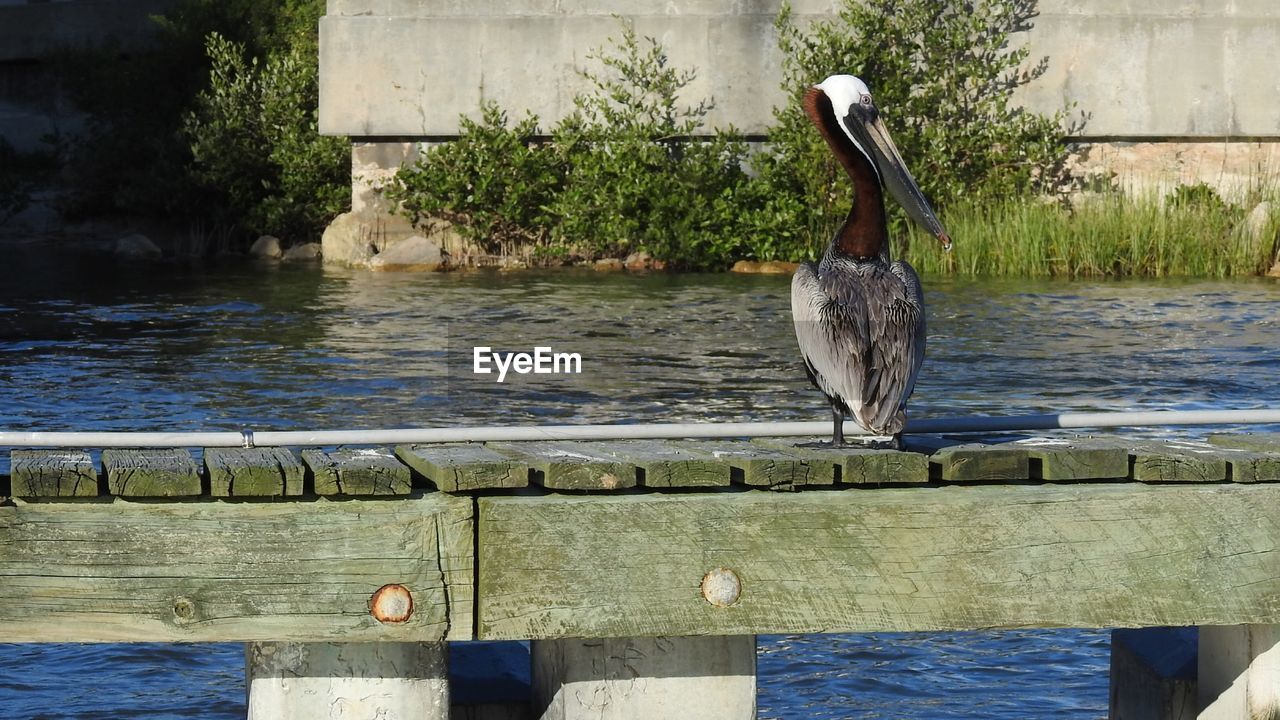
x=710 y=678
x=1239 y=672
x=388 y=681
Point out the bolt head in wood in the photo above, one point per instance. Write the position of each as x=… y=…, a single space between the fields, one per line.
x=721 y=587
x=391 y=604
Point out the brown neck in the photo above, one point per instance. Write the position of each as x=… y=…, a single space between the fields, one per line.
x=863 y=234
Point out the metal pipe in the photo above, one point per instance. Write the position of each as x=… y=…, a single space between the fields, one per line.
x=953 y=425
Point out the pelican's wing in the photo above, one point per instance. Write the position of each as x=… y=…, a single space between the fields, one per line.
x=896 y=326
x=831 y=328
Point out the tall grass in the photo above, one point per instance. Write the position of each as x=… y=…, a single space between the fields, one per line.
x=1107 y=235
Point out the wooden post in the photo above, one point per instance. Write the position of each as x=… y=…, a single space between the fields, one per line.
x=388 y=680
x=711 y=678
x=1239 y=672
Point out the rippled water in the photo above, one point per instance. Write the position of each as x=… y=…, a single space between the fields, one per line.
x=85 y=345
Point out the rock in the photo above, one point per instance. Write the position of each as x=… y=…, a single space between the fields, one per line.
x=777 y=267
x=266 y=247
x=638 y=261
x=306 y=252
x=348 y=240
x=413 y=254
x=608 y=265
x=136 y=247
x=768 y=267
x=1275 y=270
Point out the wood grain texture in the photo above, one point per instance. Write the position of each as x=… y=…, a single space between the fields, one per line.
x=757 y=465
x=1177 y=461
x=52 y=473
x=952 y=460
x=165 y=472
x=897 y=559
x=1060 y=459
x=1251 y=457
x=357 y=471
x=664 y=464
x=567 y=465
x=463 y=467
x=217 y=572
x=253 y=472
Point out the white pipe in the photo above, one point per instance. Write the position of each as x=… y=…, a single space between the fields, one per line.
x=974 y=424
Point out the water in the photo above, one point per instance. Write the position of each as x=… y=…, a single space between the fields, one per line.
x=85 y=345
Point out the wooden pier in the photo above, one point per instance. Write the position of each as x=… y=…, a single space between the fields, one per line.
x=642 y=570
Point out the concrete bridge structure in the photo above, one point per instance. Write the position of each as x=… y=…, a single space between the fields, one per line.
x=1177 y=91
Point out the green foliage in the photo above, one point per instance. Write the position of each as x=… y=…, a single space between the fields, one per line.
x=494 y=182
x=1109 y=235
x=942 y=75
x=135 y=155
x=255 y=146
x=621 y=174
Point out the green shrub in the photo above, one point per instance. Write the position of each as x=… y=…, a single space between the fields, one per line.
x=494 y=182
x=621 y=174
x=255 y=146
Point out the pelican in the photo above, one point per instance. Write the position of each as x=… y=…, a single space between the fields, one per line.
x=860 y=317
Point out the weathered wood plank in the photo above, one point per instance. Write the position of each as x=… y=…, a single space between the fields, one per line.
x=564 y=465
x=855 y=465
x=1258 y=442
x=164 y=472
x=1075 y=458
x=217 y=571
x=251 y=472
x=462 y=467
x=1176 y=461
x=1250 y=457
x=663 y=464
x=357 y=471
x=52 y=473
x=759 y=465
x=826 y=464
x=897 y=559
x=953 y=460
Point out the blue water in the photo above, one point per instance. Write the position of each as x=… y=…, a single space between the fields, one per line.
x=88 y=346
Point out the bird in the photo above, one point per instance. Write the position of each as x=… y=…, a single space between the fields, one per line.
x=859 y=316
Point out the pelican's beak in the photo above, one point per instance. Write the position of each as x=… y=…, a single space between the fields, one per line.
x=863 y=124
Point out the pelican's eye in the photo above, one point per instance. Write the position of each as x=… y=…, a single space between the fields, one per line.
x=866 y=100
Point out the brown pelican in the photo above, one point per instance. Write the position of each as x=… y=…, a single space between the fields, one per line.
x=859 y=317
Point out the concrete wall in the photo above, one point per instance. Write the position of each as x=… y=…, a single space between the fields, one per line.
x=1144 y=69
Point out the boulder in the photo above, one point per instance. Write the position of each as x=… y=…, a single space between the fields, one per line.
x=608 y=265
x=1275 y=270
x=348 y=240
x=413 y=254
x=768 y=267
x=266 y=247
x=306 y=252
x=136 y=247
x=638 y=261
x=745 y=266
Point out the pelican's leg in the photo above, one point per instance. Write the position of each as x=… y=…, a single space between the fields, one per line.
x=837 y=432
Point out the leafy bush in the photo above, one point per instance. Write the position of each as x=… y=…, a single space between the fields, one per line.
x=494 y=182
x=256 y=148
x=621 y=174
